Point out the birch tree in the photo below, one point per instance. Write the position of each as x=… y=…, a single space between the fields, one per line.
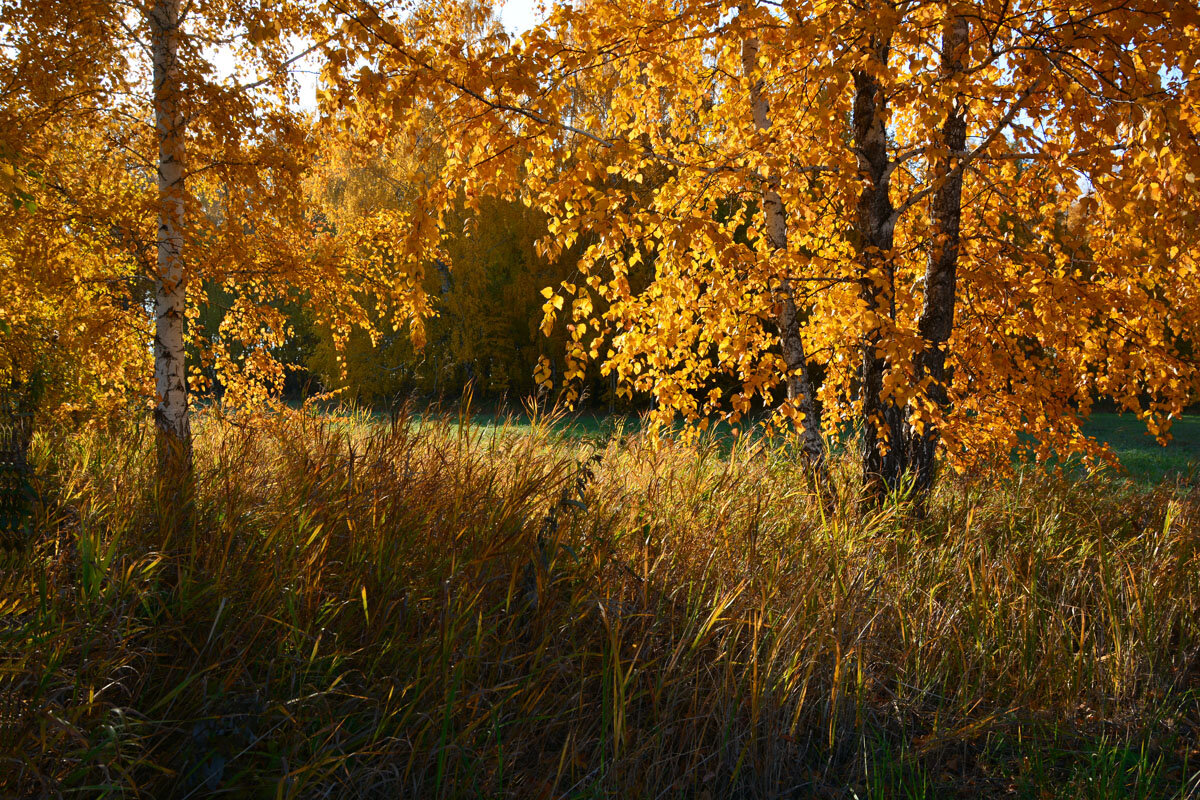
x=194 y=112
x=924 y=156
x=172 y=426
x=800 y=391
x=936 y=320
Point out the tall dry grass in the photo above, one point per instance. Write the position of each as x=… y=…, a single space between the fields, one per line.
x=425 y=610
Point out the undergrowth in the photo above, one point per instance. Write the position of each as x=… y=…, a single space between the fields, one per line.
x=421 y=609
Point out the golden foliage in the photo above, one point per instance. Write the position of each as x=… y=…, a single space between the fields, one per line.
x=629 y=124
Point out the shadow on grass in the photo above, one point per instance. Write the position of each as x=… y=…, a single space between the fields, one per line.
x=427 y=609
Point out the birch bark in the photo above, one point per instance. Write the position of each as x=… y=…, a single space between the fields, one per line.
x=799 y=383
x=936 y=321
x=883 y=461
x=173 y=430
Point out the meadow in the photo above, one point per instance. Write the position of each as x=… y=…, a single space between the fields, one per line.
x=1142 y=458
x=432 y=608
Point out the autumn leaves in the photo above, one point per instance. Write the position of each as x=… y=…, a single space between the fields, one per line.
x=895 y=219
x=951 y=228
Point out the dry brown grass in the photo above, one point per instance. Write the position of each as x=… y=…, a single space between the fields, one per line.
x=421 y=610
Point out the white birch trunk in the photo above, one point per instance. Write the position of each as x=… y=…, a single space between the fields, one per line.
x=170 y=375
x=799 y=384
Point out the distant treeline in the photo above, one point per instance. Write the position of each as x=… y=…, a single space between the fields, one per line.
x=485 y=335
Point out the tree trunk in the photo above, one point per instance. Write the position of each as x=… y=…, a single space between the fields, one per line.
x=883 y=461
x=799 y=384
x=173 y=430
x=937 y=312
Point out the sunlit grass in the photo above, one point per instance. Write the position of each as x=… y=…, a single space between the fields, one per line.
x=1143 y=458
x=432 y=608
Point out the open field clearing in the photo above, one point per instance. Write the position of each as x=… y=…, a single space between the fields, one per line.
x=1142 y=458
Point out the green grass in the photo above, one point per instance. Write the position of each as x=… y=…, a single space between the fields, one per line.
x=585 y=425
x=1145 y=460
x=1142 y=458
x=435 y=610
